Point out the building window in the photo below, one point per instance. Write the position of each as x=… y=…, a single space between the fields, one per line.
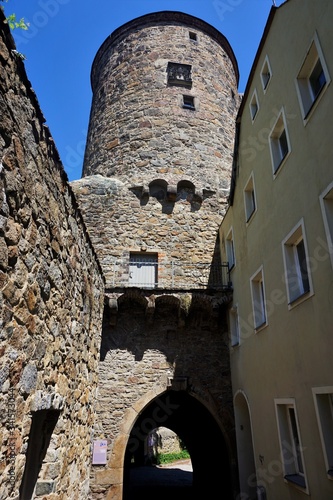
x=323 y=398
x=279 y=142
x=258 y=299
x=296 y=264
x=143 y=269
x=326 y=202
x=229 y=247
x=188 y=102
x=193 y=36
x=254 y=105
x=249 y=199
x=312 y=78
x=234 y=326
x=290 y=442
x=179 y=74
x=266 y=74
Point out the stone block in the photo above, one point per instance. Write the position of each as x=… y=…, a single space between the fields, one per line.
x=109 y=476
x=44 y=488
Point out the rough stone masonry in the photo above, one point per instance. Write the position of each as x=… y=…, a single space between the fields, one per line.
x=51 y=302
x=155 y=182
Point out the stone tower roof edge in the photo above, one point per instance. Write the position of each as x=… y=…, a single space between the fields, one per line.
x=164 y=17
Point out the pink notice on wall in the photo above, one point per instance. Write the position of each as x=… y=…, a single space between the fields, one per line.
x=99 y=452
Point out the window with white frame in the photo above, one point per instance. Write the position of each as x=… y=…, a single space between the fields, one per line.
x=229 y=248
x=258 y=299
x=326 y=202
x=323 y=399
x=279 y=142
x=312 y=78
x=297 y=273
x=234 y=326
x=266 y=74
x=249 y=198
x=254 y=105
x=290 y=442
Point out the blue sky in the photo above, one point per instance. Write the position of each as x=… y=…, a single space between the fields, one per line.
x=64 y=36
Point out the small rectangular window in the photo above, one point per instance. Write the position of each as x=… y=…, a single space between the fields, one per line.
x=143 y=269
x=266 y=74
x=279 y=142
x=249 y=199
x=188 y=102
x=296 y=264
x=312 y=78
x=258 y=299
x=193 y=36
x=234 y=326
x=326 y=202
x=179 y=74
x=323 y=398
x=290 y=443
x=254 y=105
x=230 y=251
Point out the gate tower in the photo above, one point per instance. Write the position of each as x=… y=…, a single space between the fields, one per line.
x=156 y=177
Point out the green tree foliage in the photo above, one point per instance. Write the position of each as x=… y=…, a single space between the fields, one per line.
x=13 y=22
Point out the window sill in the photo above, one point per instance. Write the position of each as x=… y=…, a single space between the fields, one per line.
x=301 y=298
x=180 y=83
x=260 y=327
x=296 y=479
x=250 y=217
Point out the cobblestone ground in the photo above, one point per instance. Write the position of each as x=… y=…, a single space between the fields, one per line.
x=172 y=482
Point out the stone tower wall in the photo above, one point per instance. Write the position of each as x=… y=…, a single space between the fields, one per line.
x=156 y=175
x=138 y=127
x=51 y=299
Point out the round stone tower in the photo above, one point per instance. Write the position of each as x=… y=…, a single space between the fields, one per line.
x=160 y=138
x=164 y=88
x=153 y=193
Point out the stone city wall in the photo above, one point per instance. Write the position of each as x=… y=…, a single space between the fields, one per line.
x=51 y=302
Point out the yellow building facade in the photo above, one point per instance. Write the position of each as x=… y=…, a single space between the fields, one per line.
x=277 y=237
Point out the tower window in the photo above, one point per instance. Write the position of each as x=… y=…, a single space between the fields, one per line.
x=188 y=102
x=179 y=74
x=193 y=36
x=143 y=269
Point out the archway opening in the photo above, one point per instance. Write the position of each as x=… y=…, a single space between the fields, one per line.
x=201 y=436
